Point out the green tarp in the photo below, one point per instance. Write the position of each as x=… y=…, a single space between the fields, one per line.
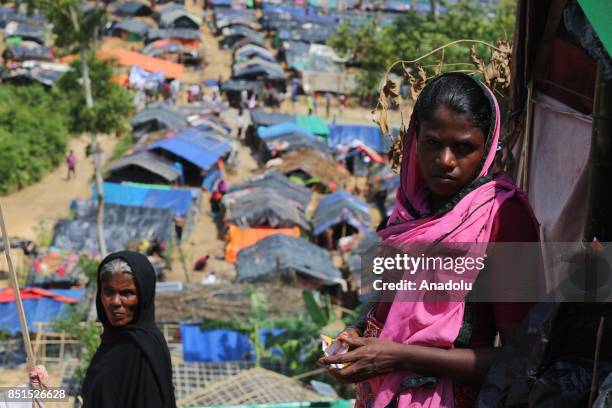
x=598 y=12
x=314 y=124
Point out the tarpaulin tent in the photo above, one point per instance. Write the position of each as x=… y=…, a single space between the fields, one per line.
x=158 y=117
x=313 y=123
x=25 y=31
x=131 y=9
x=289 y=254
x=339 y=207
x=198 y=148
x=142 y=167
x=259 y=207
x=239 y=238
x=218 y=345
x=40 y=306
x=178 y=17
x=258 y=71
x=129 y=58
x=122 y=224
x=27 y=50
x=132 y=26
x=352 y=135
x=270 y=132
x=276 y=181
x=275 y=147
x=178 y=200
x=249 y=51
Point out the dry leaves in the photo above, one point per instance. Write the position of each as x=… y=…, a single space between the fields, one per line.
x=497 y=71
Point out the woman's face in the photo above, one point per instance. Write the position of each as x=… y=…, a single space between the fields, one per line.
x=449 y=151
x=120 y=298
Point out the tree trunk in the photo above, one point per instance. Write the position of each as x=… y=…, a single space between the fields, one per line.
x=96 y=154
x=434 y=8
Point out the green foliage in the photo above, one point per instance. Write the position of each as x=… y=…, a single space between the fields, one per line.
x=88 y=334
x=88 y=267
x=374 y=46
x=33 y=135
x=112 y=103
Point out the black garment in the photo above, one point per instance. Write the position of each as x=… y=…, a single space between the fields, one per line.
x=131 y=368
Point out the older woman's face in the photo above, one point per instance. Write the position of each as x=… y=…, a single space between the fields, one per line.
x=449 y=150
x=120 y=298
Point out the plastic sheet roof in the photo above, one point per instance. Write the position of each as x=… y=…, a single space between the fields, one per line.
x=338 y=207
x=198 y=148
x=282 y=129
x=276 y=181
x=43 y=309
x=313 y=123
x=178 y=200
x=133 y=26
x=295 y=141
x=148 y=161
x=259 y=261
x=158 y=118
x=353 y=135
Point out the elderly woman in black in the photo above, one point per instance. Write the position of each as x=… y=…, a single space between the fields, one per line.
x=131 y=368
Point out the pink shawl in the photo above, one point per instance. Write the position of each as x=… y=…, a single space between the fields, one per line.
x=435 y=324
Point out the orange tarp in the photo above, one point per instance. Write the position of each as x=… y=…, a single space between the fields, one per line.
x=242 y=238
x=129 y=58
x=151 y=64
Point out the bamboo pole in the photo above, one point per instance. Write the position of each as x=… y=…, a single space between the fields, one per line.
x=15 y=285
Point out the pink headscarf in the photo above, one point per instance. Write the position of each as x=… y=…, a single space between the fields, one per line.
x=469 y=221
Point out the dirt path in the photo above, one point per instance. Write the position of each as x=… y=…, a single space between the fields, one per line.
x=40 y=205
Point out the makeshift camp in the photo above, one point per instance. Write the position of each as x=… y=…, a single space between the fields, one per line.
x=239 y=238
x=129 y=58
x=367 y=242
x=197 y=151
x=157 y=117
x=288 y=258
x=56 y=269
x=185 y=35
x=276 y=181
x=274 y=131
x=263 y=118
x=131 y=29
x=131 y=9
x=122 y=224
x=255 y=386
x=143 y=167
x=231 y=35
x=224 y=301
x=311 y=169
x=342 y=214
x=40 y=305
x=234 y=87
x=24 y=31
x=263 y=207
x=247 y=52
x=178 y=17
x=27 y=50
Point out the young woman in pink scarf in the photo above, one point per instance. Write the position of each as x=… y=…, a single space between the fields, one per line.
x=415 y=354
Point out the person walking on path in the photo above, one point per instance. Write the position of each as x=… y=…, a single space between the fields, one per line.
x=71 y=164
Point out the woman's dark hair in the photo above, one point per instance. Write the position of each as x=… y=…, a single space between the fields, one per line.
x=460 y=94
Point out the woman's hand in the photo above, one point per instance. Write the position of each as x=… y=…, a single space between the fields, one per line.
x=370 y=357
x=38 y=377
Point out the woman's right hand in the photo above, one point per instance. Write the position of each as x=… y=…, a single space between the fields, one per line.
x=349 y=332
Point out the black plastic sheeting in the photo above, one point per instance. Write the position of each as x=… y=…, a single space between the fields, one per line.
x=259 y=262
x=549 y=363
x=279 y=182
x=121 y=225
x=353 y=260
x=264 y=207
x=157 y=117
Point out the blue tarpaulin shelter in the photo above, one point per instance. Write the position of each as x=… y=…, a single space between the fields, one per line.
x=178 y=200
x=42 y=310
x=218 y=345
x=197 y=147
x=338 y=207
x=348 y=135
x=281 y=129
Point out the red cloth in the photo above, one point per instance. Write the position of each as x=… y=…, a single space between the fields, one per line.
x=7 y=295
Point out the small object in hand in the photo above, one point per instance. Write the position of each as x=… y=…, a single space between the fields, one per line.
x=39 y=377
x=333 y=347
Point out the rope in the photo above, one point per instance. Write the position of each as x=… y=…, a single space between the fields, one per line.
x=15 y=284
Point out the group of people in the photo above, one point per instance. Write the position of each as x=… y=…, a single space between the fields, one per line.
x=402 y=354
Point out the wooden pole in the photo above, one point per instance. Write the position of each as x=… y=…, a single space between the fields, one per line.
x=15 y=284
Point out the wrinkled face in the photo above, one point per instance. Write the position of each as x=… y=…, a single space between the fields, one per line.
x=449 y=151
x=120 y=299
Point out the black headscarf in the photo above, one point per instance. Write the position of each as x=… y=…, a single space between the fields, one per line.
x=132 y=366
